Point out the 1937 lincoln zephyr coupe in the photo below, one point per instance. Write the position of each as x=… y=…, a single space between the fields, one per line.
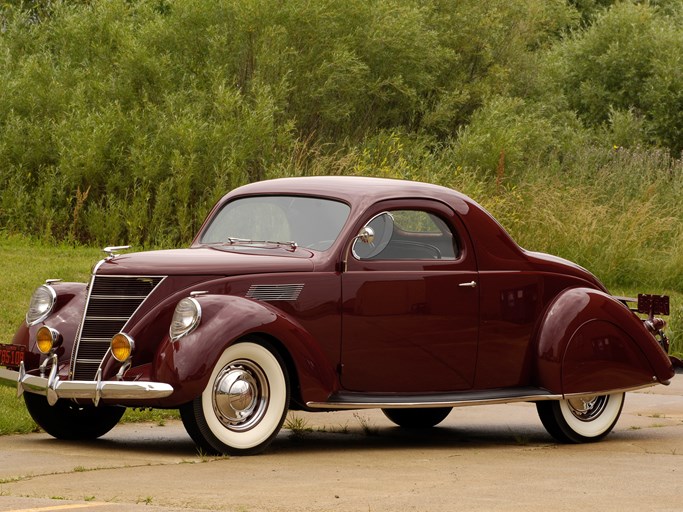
x=328 y=293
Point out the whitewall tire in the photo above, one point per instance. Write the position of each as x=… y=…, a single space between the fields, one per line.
x=581 y=420
x=244 y=403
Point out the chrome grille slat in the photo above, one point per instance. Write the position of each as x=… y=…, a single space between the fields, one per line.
x=92 y=353
x=85 y=369
x=96 y=318
x=113 y=306
x=112 y=301
x=115 y=297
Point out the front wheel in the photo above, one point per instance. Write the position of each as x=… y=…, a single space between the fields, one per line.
x=71 y=421
x=581 y=420
x=244 y=403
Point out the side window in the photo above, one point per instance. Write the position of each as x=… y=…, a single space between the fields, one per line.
x=409 y=235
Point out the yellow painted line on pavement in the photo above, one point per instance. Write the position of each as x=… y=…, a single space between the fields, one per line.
x=60 y=507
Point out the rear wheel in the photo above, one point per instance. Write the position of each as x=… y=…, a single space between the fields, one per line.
x=244 y=403
x=581 y=420
x=71 y=421
x=417 y=418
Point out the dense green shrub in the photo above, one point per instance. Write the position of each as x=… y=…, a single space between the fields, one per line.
x=492 y=49
x=627 y=62
x=507 y=135
x=129 y=118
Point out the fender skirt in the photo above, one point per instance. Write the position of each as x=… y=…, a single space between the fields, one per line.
x=589 y=342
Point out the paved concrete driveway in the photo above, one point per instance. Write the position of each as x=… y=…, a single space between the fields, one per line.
x=480 y=458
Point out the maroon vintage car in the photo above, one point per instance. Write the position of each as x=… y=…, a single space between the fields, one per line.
x=329 y=293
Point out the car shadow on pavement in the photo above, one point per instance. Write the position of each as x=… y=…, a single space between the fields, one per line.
x=172 y=442
x=395 y=438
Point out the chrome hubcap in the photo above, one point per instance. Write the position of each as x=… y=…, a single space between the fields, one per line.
x=240 y=395
x=587 y=408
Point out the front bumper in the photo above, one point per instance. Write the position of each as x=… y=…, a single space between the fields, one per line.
x=53 y=388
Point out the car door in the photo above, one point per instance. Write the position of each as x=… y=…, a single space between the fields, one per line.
x=410 y=313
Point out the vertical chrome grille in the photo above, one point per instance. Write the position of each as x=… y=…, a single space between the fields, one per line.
x=111 y=303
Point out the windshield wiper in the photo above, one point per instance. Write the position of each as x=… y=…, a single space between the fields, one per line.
x=234 y=240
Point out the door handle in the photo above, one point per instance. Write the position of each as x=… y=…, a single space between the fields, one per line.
x=471 y=284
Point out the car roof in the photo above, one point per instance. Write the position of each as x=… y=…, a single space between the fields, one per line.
x=353 y=189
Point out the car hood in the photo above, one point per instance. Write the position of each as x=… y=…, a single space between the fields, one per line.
x=209 y=261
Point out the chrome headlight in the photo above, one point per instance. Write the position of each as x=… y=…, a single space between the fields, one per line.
x=42 y=302
x=186 y=317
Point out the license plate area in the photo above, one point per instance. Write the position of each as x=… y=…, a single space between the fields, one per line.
x=653 y=304
x=11 y=356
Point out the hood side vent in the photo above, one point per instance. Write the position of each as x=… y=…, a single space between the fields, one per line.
x=273 y=292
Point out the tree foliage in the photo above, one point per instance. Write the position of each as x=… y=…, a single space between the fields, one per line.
x=123 y=121
x=626 y=66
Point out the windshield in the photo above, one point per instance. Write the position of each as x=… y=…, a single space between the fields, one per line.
x=309 y=222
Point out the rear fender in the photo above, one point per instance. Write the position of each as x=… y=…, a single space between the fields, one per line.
x=589 y=342
x=187 y=363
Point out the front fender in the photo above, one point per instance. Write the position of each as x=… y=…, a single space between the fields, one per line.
x=589 y=342
x=187 y=363
x=65 y=318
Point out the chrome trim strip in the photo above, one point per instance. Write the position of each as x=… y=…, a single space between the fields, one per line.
x=121 y=297
x=77 y=339
x=104 y=318
x=613 y=391
x=54 y=389
x=415 y=405
x=469 y=402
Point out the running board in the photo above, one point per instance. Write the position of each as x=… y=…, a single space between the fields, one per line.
x=350 y=400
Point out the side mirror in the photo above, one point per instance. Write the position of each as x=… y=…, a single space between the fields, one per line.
x=366 y=235
x=375 y=236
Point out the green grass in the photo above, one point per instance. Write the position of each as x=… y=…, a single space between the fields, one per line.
x=14 y=418
x=26 y=265
x=158 y=416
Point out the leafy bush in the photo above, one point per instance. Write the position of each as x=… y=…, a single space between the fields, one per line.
x=129 y=119
x=628 y=60
x=507 y=136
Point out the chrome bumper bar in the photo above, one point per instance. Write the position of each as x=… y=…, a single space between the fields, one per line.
x=94 y=390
